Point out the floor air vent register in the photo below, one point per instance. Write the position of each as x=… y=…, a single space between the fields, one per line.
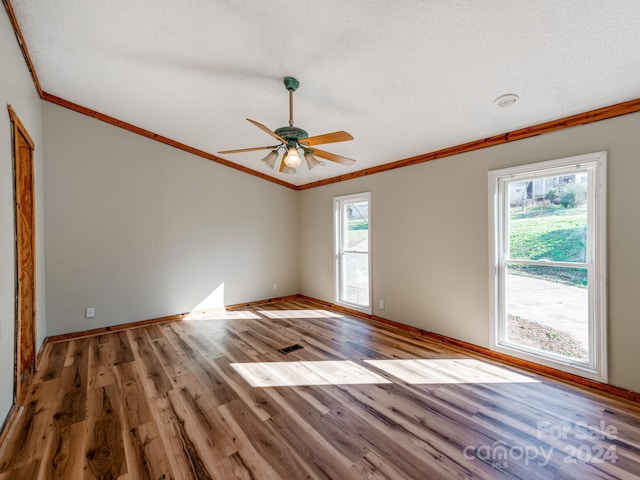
x=290 y=348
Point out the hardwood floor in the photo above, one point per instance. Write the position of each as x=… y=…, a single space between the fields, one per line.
x=213 y=398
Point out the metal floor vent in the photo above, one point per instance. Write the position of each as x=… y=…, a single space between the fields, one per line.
x=290 y=348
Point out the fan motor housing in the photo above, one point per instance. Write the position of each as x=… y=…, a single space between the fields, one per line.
x=290 y=134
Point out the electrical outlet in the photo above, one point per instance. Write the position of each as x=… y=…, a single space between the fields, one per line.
x=381 y=304
x=90 y=312
x=275 y=287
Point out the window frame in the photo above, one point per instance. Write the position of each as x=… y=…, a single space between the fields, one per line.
x=499 y=181
x=338 y=202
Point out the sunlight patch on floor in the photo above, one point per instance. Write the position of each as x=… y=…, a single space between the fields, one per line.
x=289 y=374
x=222 y=314
x=303 y=313
x=444 y=371
x=211 y=307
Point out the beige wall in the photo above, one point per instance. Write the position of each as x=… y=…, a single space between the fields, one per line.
x=17 y=90
x=430 y=237
x=139 y=230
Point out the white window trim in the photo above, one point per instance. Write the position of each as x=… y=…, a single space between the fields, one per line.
x=337 y=244
x=597 y=370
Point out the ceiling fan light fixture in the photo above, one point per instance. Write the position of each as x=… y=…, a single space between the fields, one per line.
x=291 y=139
x=312 y=161
x=293 y=159
x=270 y=159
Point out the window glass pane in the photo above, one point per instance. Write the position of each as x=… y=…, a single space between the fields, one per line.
x=355 y=276
x=547 y=310
x=548 y=218
x=548 y=238
x=356 y=226
x=352 y=251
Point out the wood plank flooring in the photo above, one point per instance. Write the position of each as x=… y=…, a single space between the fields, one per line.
x=213 y=398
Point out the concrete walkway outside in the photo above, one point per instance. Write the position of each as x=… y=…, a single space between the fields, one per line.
x=556 y=305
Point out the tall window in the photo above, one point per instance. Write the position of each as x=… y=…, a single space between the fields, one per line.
x=548 y=267
x=352 y=242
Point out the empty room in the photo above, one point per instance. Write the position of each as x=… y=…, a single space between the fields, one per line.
x=319 y=240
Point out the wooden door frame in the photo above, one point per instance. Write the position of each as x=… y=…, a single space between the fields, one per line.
x=19 y=130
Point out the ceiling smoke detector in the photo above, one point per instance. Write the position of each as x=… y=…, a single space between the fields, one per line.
x=506 y=100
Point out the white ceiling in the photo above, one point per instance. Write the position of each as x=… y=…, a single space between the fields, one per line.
x=404 y=77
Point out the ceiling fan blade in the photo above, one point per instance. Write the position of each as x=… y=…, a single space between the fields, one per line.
x=266 y=130
x=282 y=164
x=333 y=157
x=253 y=149
x=334 y=137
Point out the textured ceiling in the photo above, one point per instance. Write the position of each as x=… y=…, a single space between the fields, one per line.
x=403 y=77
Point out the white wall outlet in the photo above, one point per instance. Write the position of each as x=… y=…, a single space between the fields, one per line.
x=275 y=287
x=90 y=312
x=381 y=304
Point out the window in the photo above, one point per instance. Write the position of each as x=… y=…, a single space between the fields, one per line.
x=547 y=263
x=352 y=241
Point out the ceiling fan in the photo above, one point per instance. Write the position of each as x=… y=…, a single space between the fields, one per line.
x=293 y=139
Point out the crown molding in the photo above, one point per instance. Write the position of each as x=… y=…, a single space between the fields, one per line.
x=23 y=46
x=596 y=115
x=159 y=138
